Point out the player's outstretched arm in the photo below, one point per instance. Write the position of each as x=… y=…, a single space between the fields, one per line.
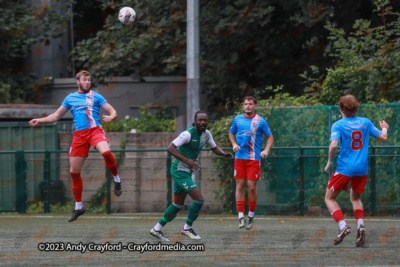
x=270 y=142
x=332 y=153
x=190 y=162
x=112 y=114
x=56 y=116
x=235 y=146
x=384 y=126
x=218 y=151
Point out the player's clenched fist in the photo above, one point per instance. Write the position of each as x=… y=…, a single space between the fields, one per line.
x=264 y=154
x=236 y=148
x=383 y=124
x=34 y=122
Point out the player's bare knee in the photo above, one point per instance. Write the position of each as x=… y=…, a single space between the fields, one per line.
x=253 y=188
x=329 y=199
x=73 y=170
x=199 y=197
x=240 y=187
x=179 y=202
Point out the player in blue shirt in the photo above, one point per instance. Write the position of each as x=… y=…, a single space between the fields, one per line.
x=85 y=105
x=352 y=165
x=246 y=138
x=85 y=109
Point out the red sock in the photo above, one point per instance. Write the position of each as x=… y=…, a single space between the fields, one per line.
x=338 y=216
x=110 y=162
x=240 y=206
x=77 y=186
x=359 y=214
x=252 y=206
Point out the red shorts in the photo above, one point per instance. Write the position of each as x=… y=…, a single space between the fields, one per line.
x=339 y=182
x=83 y=139
x=247 y=169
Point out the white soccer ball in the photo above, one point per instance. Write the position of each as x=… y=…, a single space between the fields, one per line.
x=127 y=15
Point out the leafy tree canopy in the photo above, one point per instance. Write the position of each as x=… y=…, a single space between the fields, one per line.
x=22 y=26
x=245 y=44
x=367 y=60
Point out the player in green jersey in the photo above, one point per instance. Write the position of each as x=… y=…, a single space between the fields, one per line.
x=185 y=149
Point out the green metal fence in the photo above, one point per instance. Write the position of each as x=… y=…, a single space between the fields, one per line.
x=16 y=166
x=293 y=180
x=297 y=182
x=32 y=176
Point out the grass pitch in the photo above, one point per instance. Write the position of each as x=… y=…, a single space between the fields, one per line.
x=272 y=241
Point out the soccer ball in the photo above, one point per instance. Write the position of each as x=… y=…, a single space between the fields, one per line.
x=127 y=15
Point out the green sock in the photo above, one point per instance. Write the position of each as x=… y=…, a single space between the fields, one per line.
x=170 y=213
x=194 y=211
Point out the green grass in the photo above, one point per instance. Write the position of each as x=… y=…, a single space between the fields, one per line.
x=272 y=241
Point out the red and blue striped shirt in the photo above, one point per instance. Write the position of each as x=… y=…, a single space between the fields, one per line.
x=85 y=109
x=249 y=133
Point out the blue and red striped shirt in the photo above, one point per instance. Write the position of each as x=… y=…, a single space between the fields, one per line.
x=249 y=136
x=85 y=109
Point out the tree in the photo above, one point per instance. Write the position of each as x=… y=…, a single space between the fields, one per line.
x=23 y=25
x=146 y=48
x=368 y=60
x=245 y=44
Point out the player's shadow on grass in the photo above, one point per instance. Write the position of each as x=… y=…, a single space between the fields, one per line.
x=230 y=238
x=21 y=238
x=298 y=239
x=242 y=237
x=91 y=237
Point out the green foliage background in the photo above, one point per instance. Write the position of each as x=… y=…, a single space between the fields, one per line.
x=160 y=121
x=22 y=26
x=245 y=45
x=367 y=60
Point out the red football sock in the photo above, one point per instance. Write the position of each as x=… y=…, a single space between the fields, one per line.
x=359 y=214
x=338 y=216
x=240 y=206
x=77 y=186
x=252 y=206
x=110 y=162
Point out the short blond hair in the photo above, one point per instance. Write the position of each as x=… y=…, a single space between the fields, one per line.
x=82 y=73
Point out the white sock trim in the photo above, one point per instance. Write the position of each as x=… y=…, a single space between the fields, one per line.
x=241 y=215
x=116 y=179
x=78 y=205
x=187 y=227
x=342 y=224
x=360 y=222
x=158 y=227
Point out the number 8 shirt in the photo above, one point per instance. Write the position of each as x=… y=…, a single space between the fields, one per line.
x=353 y=134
